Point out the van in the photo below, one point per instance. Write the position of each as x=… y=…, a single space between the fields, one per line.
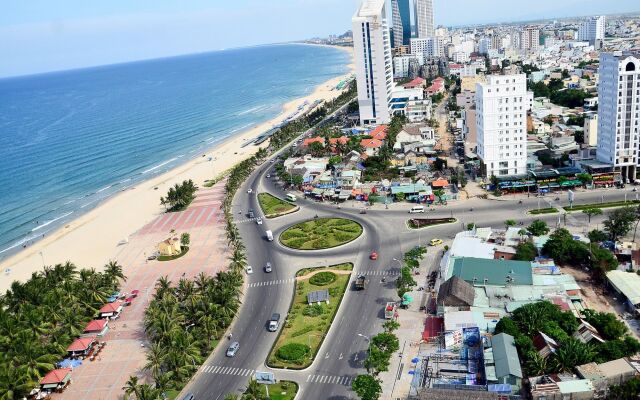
x=416 y=209
x=290 y=197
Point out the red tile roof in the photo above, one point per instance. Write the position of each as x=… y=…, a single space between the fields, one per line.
x=111 y=307
x=414 y=83
x=318 y=139
x=96 y=325
x=440 y=183
x=341 y=139
x=55 y=376
x=81 y=344
x=371 y=143
x=380 y=132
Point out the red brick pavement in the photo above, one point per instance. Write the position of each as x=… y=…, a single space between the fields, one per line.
x=124 y=354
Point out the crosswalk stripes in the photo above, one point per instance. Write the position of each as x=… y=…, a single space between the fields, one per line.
x=274 y=282
x=380 y=272
x=330 y=379
x=219 y=370
x=242 y=221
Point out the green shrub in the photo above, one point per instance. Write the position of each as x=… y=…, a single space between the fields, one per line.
x=304 y=330
x=294 y=352
x=323 y=278
x=313 y=310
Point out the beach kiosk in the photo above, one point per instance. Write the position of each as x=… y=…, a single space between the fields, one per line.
x=111 y=310
x=97 y=327
x=81 y=346
x=56 y=380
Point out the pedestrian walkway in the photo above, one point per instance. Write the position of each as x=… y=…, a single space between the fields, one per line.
x=330 y=379
x=270 y=283
x=379 y=272
x=219 y=370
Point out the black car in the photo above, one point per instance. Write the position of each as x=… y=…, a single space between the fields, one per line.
x=251 y=214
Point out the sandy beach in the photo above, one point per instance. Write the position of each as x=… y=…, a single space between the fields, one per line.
x=92 y=240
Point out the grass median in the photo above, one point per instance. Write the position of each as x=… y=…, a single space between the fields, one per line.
x=610 y=204
x=306 y=325
x=274 y=207
x=419 y=223
x=549 y=210
x=321 y=233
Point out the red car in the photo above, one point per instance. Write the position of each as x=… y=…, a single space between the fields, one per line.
x=374 y=255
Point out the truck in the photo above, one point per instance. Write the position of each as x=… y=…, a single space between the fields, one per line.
x=269 y=236
x=360 y=282
x=273 y=322
x=389 y=310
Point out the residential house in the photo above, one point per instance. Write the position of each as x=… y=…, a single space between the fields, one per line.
x=586 y=333
x=436 y=87
x=455 y=292
x=506 y=361
x=371 y=146
x=317 y=139
x=380 y=132
x=414 y=133
x=544 y=345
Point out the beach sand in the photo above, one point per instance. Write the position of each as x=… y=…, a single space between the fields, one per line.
x=92 y=240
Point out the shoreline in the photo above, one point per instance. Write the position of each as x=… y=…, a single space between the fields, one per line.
x=93 y=238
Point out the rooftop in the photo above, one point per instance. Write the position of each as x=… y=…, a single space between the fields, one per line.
x=481 y=271
x=628 y=283
x=81 y=344
x=505 y=356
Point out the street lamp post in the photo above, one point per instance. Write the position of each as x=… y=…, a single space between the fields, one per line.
x=368 y=341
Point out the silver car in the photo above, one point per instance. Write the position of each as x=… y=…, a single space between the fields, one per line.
x=233 y=349
x=268 y=268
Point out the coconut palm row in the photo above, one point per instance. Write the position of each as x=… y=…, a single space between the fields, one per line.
x=185 y=321
x=42 y=316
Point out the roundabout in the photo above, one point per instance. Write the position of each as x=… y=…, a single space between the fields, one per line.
x=321 y=233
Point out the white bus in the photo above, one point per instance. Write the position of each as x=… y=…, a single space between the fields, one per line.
x=290 y=197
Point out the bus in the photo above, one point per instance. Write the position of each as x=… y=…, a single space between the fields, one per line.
x=290 y=197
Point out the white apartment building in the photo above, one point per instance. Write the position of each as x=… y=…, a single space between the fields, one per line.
x=530 y=39
x=501 y=122
x=374 y=68
x=428 y=47
x=401 y=64
x=592 y=30
x=618 y=113
x=423 y=13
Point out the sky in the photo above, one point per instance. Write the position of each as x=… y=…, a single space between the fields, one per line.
x=44 y=35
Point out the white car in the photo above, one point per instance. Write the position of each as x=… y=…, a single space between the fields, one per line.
x=268 y=175
x=249 y=190
x=249 y=269
x=259 y=221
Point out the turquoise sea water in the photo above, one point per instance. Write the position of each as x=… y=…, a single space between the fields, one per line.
x=72 y=139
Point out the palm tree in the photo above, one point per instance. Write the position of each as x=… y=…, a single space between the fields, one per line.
x=253 y=391
x=131 y=386
x=238 y=260
x=114 y=272
x=536 y=365
x=439 y=193
x=509 y=223
x=522 y=233
x=155 y=359
x=163 y=285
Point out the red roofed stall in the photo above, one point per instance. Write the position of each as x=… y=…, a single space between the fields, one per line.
x=56 y=379
x=81 y=346
x=111 y=309
x=98 y=327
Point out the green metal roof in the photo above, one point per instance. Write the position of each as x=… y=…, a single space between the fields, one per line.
x=410 y=189
x=505 y=356
x=481 y=271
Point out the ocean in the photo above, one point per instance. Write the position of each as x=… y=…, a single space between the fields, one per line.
x=72 y=139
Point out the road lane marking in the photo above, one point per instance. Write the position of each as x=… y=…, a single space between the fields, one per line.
x=274 y=282
x=309 y=377
x=327 y=355
x=340 y=358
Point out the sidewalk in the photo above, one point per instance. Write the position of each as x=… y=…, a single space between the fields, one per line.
x=396 y=382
